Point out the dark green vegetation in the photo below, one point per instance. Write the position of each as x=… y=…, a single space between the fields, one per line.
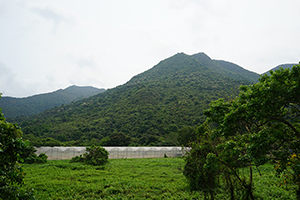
x=261 y=125
x=156 y=178
x=95 y=155
x=36 y=159
x=149 y=108
x=284 y=66
x=13 y=150
x=227 y=69
x=15 y=107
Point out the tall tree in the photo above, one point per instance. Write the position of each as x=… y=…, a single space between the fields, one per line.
x=260 y=125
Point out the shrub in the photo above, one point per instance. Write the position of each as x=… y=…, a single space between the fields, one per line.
x=30 y=157
x=95 y=155
x=77 y=159
x=33 y=158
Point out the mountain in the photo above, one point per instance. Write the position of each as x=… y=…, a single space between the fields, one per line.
x=148 y=108
x=227 y=69
x=15 y=107
x=284 y=66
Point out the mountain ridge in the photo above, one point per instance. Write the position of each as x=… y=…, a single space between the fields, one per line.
x=284 y=66
x=25 y=106
x=148 y=108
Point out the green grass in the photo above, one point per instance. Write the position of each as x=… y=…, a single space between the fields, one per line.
x=155 y=178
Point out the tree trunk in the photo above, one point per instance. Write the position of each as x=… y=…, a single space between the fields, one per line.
x=211 y=192
x=298 y=193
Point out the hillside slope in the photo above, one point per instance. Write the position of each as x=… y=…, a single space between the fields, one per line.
x=14 y=107
x=147 y=108
x=227 y=69
x=284 y=66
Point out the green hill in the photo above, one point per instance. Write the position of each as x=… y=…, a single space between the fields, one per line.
x=15 y=107
x=284 y=66
x=227 y=69
x=148 y=108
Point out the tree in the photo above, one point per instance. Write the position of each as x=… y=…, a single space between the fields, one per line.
x=186 y=135
x=13 y=150
x=202 y=168
x=119 y=139
x=260 y=125
x=270 y=112
x=214 y=159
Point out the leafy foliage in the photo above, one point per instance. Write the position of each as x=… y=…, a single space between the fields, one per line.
x=42 y=158
x=12 y=151
x=149 y=108
x=116 y=139
x=186 y=135
x=95 y=155
x=213 y=161
x=258 y=126
x=201 y=168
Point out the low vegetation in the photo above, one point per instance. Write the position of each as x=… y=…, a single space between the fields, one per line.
x=148 y=178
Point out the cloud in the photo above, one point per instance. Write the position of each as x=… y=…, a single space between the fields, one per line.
x=9 y=80
x=4 y=6
x=183 y=4
x=56 y=15
x=105 y=43
x=87 y=61
x=84 y=60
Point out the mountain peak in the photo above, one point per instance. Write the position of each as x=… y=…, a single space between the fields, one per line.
x=202 y=58
x=203 y=55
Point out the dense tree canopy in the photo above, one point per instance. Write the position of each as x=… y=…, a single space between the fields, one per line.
x=260 y=125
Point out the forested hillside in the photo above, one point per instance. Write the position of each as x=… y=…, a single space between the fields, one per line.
x=147 y=109
x=14 y=107
x=227 y=69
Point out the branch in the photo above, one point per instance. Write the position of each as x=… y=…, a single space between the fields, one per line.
x=293 y=105
x=288 y=124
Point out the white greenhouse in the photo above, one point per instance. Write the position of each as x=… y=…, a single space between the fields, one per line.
x=61 y=153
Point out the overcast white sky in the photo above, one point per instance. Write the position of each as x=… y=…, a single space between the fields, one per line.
x=48 y=45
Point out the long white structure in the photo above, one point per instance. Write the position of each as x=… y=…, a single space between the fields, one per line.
x=63 y=153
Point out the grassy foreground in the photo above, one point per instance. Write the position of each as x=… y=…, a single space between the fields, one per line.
x=153 y=178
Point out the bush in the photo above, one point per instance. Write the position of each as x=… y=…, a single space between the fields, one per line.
x=95 y=155
x=77 y=159
x=30 y=157
x=33 y=158
x=13 y=150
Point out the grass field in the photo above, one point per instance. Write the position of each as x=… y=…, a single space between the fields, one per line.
x=153 y=178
